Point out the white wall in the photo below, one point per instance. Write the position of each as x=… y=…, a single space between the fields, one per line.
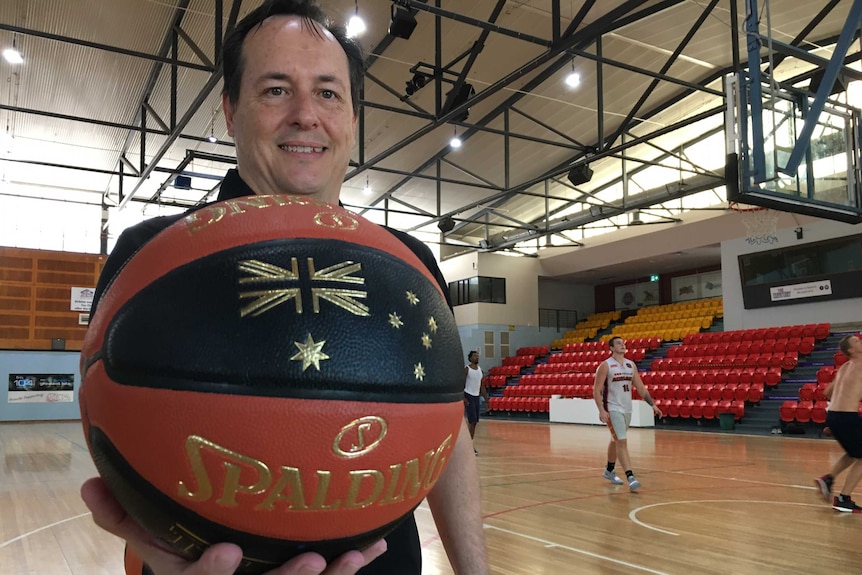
x=736 y=317
x=522 y=288
x=559 y=295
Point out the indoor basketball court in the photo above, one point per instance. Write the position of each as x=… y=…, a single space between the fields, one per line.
x=710 y=503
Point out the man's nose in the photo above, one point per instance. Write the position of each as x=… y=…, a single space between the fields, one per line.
x=303 y=112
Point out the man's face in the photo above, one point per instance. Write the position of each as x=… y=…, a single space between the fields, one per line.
x=619 y=346
x=293 y=123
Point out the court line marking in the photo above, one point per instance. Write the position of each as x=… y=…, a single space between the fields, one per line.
x=633 y=513
x=806 y=487
x=43 y=528
x=576 y=550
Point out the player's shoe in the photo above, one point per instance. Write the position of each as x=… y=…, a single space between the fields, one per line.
x=824 y=484
x=845 y=505
x=634 y=484
x=612 y=477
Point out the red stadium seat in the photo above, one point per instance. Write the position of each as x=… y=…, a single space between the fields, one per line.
x=728 y=393
x=820 y=392
x=697 y=408
x=710 y=410
x=806 y=392
x=821 y=331
x=755 y=392
x=685 y=408
x=803 y=411
x=787 y=411
x=773 y=376
x=738 y=409
x=818 y=412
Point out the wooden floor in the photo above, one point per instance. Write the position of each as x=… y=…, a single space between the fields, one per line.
x=710 y=504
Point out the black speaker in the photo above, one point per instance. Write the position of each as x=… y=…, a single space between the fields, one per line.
x=183 y=182
x=402 y=23
x=446 y=225
x=58 y=344
x=580 y=175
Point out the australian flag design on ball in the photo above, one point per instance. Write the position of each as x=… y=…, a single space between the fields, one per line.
x=341 y=320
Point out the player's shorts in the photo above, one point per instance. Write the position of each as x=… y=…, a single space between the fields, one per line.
x=618 y=424
x=846 y=427
x=471 y=407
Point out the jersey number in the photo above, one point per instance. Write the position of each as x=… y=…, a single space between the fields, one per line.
x=626 y=387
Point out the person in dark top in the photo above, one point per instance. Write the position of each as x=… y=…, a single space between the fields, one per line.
x=291 y=91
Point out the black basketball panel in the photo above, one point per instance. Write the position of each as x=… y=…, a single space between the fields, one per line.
x=307 y=318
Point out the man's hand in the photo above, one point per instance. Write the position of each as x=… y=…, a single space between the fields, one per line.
x=604 y=416
x=657 y=411
x=220 y=559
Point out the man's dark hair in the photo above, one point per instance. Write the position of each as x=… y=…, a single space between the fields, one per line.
x=611 y=341
x=844 y=344
x=471 y=354
x=232 y=57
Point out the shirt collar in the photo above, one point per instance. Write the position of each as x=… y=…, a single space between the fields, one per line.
x=233 y=186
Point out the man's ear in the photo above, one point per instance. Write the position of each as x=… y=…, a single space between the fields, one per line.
x=228 y=110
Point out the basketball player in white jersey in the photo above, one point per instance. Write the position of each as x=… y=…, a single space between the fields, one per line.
x=613 y=394
x=473 y=387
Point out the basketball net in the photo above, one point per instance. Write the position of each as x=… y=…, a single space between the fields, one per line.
x=759 y=222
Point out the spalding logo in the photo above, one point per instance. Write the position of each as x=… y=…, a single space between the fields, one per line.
x=359 y=436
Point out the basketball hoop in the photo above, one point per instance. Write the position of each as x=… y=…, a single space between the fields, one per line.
x=759 y=222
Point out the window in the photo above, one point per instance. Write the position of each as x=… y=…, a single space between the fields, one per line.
x=504 y=344
x=795 y=264
x=478 y=289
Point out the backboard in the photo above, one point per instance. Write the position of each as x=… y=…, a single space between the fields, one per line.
x=762 y=125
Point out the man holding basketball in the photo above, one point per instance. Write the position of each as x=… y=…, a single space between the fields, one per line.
x=290 y=98
x=613 y=394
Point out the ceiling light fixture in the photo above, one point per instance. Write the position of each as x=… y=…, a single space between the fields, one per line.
x=367 y=190
x=212 y=137
x=455 y=142
x=12 y=55
x=356 y=25
x=573 y=79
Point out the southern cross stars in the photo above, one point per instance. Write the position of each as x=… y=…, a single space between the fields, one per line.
x=419 y=372
x=310 y=353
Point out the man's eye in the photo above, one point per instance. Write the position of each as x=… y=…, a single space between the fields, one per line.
x=276 y=91
x=327 y=94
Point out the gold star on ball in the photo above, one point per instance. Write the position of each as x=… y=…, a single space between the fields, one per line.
x=419 y=372
x=411 y=297
x=310 y=353
x=432 y=324
x=426 y=341
x=395 y=321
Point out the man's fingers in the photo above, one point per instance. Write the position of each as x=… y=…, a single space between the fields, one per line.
x=107 y=513
x=347 y=564
x=220 y=559
x=353 y=561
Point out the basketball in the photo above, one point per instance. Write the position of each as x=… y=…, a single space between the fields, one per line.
x=274 y=372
